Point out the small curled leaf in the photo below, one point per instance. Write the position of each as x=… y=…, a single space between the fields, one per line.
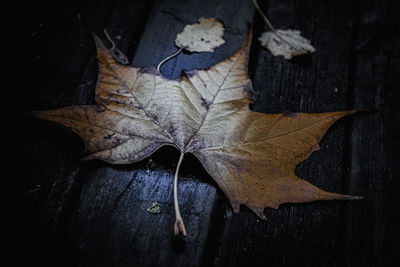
x=154 y=208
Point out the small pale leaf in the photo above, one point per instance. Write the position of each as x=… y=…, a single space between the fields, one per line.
x=201 y=37
x=287 y=43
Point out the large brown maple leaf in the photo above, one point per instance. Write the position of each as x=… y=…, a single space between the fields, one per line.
x=252 y=156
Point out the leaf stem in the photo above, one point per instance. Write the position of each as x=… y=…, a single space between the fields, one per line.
x=179 y=225
x=169 y=57
x=109 y=39
x=263 y=15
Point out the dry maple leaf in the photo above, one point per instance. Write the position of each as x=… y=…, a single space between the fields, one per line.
x=252 y=156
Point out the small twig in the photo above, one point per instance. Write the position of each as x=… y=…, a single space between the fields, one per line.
x=109 y=39
x=179 y=225
x=263 y=15
x=169 y=57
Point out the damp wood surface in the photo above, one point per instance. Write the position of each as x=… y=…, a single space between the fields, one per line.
x=72 y=213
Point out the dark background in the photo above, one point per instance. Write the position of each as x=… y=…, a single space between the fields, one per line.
x=71 y=213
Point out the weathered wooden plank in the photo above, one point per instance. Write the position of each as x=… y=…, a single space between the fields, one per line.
x=311 y=233
x=113 y=227
x=124 y=234
x=62 y=70
x=372 y=226
x=170 y=18
x=75 y=214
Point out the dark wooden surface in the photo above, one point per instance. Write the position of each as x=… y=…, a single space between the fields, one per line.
x=73 y=213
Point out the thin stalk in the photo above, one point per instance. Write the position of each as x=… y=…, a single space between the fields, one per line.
x=109 y=39
x=263 y=15
x=179 y=225
x=169 y=57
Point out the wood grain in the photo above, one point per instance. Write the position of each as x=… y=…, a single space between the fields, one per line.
x=93 y=214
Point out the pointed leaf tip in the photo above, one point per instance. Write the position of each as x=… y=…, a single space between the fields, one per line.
x=247 y=43
x=235 y=206
x=350 y=197
x=98 y=42
x=259 y=211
